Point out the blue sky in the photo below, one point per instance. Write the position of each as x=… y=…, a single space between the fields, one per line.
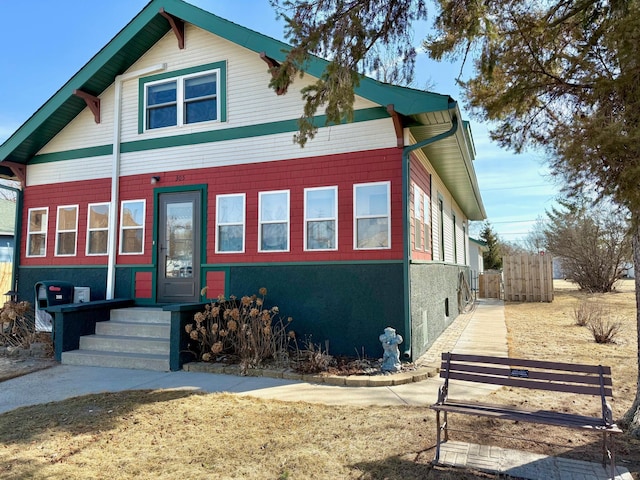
x=44 y=43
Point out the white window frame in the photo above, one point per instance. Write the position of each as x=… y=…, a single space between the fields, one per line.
x=130 y=227
x=427 y=221
x=363 y=217
x=231 y=224
x=417 y=218
x=262 y=222
x=44 y=231
x=180 y=100
x=74 y=231
x=308 y=219
x=101 y=229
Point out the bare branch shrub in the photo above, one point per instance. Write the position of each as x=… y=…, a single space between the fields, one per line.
x=241 y=327
x=603 y=329
x=17 y=325
x=585 y=311
x=313 y=359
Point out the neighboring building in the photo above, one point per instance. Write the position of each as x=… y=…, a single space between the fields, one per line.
x=476 y=260
x=167 y=164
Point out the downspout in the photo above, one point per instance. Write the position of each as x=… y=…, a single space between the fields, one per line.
x=406 y=215
x=115 y=172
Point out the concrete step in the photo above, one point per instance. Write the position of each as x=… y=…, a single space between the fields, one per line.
x=133 y=329
x=141 y=315
x=125 y=344
x=138 y=361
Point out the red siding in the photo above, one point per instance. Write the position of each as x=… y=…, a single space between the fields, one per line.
x=144 y=284
x=295 y=175
x=422 y=178
x=215 y=284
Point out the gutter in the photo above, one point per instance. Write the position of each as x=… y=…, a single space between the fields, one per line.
x=115 y=172
x=406 y=215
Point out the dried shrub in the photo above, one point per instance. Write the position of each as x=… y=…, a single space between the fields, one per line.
x=244 y=328
x=585 y=312
x=17 y=325
x=313 y=359
x=603 y=329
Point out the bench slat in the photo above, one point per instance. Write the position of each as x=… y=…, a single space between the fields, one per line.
x=528 y=383
x=541 y=416
x=519 y=362
x=575 y=378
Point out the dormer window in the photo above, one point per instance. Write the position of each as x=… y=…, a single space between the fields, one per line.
x=184 y=97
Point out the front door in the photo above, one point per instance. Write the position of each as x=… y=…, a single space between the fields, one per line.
x=178 y=247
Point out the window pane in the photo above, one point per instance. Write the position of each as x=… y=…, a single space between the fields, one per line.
x=230 y=238
x=36 y=245
x=132 y=214
x=321 y=235
x=321 y=203
x=200 y=111
x=132 y=241
x=98 y=242
x=162 y=93
x=38 y=221
x=98 y=216
x=273 y=207
x=66 y=243
x=230 y=209
x=162 y=117
x=373 y=233
x=274 y=236
x=67 y=218
x=371 y=200
x=200 y=86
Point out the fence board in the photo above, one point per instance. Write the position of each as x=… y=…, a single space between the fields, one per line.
x=528 y=278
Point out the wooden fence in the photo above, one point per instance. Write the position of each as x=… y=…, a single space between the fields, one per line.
x=490 y=285
x=528 y=278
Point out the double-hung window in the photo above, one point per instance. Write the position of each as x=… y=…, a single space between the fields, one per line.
x=132 y=227
x=320 y=218
x=372 y=215
x=66 y=230
x=417 y=216
x=97 y=228
x=230 y=223
x=37 y=232
x=273 y=221
x=182 y=100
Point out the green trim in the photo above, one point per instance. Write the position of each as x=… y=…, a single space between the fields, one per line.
x=299 y=264
x=99 y=151
x=221 y=135
x=222 y=86
x=66 y=267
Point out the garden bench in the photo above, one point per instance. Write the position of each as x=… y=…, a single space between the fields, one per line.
x=594 y=380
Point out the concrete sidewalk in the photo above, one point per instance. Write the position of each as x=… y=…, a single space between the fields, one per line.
x=480 y=331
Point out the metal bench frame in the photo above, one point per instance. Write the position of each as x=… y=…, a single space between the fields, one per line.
x=594 y=380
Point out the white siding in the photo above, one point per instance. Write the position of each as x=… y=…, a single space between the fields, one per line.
x=249 y=99
x=69 y=171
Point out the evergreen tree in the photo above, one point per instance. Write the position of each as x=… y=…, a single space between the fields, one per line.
x=492 y=257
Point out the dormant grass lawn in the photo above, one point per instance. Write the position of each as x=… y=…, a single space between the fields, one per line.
x=180 y=434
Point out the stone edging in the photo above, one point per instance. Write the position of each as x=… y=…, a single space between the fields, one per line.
x=400 y=378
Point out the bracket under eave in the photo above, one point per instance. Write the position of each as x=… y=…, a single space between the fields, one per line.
x=397 y=124
x=92 y=102
x=177 y=25
x=18 y=169
x=274 y=65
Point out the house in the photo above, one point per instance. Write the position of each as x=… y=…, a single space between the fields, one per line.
x=7 y=234
x=167 y=164
x=476 y=260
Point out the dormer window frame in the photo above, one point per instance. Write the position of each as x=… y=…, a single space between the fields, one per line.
x=180 y=78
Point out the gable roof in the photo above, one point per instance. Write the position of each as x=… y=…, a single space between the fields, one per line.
x=425 y=113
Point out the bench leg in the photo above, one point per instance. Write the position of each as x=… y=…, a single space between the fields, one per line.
x=437 y=436
x=608 y=453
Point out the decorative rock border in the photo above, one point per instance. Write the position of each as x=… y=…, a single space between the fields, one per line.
x=383 y=380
